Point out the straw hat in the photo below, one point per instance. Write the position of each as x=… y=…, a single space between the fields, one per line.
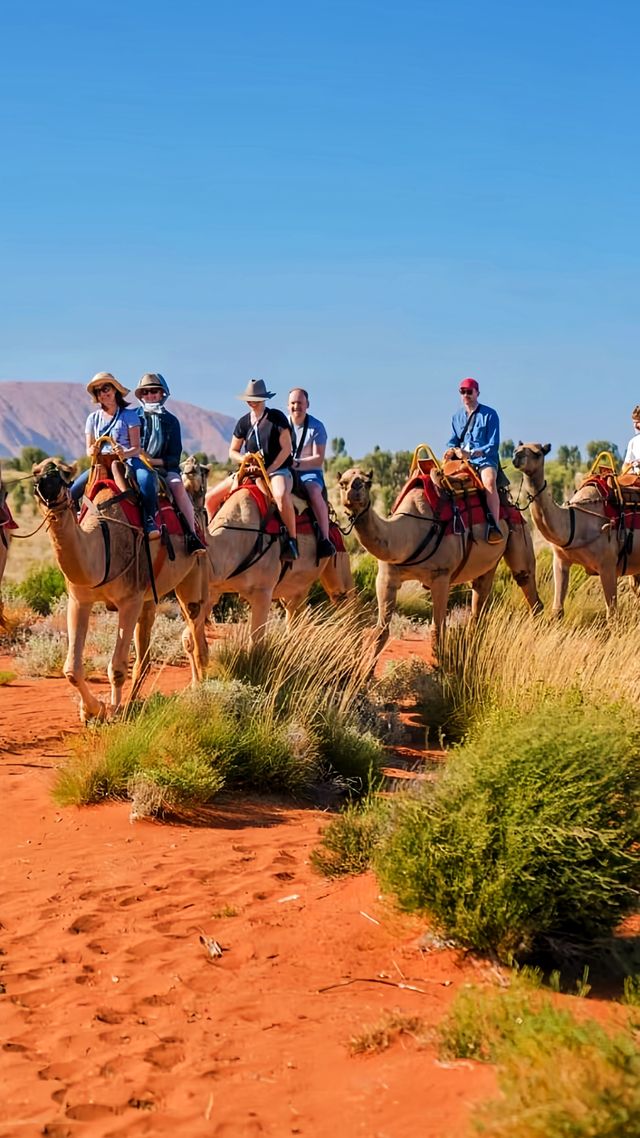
x=152 y=379
x=105 y=377
x=256 y=391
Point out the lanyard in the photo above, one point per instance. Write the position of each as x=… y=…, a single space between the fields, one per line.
x=254 y=428
x=298 y=447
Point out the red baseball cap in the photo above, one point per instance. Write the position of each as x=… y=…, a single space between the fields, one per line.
x=469 y=385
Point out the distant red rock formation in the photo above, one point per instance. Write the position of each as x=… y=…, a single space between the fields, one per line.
x=52 y=416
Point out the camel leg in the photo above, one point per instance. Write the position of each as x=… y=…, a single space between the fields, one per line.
x=521 y=559
x=480 y=590
x=387 y=585
x=128 y=615
x=609 y=582
x=194 y=640
x=440 y=586
x=560 y=584
x=78 y=615
x=260 y=602
x=142 y=640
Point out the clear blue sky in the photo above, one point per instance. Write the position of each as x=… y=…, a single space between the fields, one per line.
x=370 y=199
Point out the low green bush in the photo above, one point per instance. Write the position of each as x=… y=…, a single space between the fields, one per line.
x=530 y=832
x=347 y=843
x=41 y=588
x=559 y=1078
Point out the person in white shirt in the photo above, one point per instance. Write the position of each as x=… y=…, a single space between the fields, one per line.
x=308 y=445
x=632 y=457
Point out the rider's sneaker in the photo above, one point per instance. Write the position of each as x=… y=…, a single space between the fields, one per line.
x=193 y=544
x=150 y=528
x=326 y=548
x=494 y=534
x=289 y=550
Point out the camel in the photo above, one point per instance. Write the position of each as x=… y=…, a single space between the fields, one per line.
x=410 y=547
x=104 y=558
x=244 y=559
x=6 y=525
x=581 y=533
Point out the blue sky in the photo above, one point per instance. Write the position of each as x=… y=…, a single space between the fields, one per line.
x=372 y=200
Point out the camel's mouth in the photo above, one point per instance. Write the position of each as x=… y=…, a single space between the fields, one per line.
x=50 y=486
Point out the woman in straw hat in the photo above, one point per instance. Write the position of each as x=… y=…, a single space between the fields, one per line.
x=264 y=431
x=115 y=418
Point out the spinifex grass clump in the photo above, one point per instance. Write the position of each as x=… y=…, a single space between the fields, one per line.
x=284 y=733
x=530 y=832
x=559 y=1078
x=316 y=672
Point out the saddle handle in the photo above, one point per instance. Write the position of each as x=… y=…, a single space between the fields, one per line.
x=417 y=460
x=243 y=471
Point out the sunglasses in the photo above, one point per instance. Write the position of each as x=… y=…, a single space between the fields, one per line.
x=467 y=390
x=152 y=391
x=104 y=389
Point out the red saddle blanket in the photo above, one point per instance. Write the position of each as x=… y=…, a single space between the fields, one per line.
x=304 y=521
x=468 y=511
x=6 y=518
x=165 y=515
x=628 y=515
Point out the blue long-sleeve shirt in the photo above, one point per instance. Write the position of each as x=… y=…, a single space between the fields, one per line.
x=484 y=435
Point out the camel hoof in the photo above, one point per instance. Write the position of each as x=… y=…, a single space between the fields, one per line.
x=95 y=716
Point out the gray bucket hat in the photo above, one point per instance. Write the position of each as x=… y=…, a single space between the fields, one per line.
x=255 y=391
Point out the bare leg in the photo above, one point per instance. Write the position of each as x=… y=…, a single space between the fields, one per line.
x=217 y=495
x=78 y=615
x=182 y=499
x=281 y=489
x=319 y=507
x=489 y=480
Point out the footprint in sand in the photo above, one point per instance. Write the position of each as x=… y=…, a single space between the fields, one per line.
x=87 y=923
x=166 y=1055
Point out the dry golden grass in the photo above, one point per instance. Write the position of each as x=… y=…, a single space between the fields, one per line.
x=28 y=553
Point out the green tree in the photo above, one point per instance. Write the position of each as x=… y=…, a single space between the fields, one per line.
x=390 y=471
x=569 y=457
x=507 y=447
x=597 y=445
x=29 y=456
x=338 y=448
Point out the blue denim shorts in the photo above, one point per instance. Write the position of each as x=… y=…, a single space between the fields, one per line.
x=311 y=476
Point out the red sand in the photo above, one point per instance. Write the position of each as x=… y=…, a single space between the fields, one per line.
x=117 y=1022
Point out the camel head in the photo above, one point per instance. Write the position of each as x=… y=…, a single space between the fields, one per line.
x=529 y=458
x=52 y=479
x=355 y=490
x=194 y=479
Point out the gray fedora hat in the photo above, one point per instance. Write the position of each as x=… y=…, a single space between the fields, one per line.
x=256 y=390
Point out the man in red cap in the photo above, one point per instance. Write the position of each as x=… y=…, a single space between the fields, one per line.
x=476 y=437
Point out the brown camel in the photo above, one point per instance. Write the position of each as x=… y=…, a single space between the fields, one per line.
x=104 y=559
x=580 y=533
x=409 y=547
x=6 y=524
x=244 y=559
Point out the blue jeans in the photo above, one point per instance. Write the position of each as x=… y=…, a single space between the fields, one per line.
x=145 y=478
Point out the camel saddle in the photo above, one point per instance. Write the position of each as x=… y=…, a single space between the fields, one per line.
x=456 y=477
x=271 y=520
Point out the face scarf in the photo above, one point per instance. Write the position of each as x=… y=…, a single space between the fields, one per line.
x=153 y=429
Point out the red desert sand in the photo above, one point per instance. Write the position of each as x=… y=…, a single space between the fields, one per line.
x=117 y=1020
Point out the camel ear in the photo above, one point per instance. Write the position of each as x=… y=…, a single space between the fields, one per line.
x=519 y=442
x=206 y=466
x=368 y=477
x=546 y=448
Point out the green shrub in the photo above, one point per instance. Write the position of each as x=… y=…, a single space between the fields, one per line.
x=559 y=1078
x=7 y=677
x=347 y=843
x=529 y=833
x=42 y=587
